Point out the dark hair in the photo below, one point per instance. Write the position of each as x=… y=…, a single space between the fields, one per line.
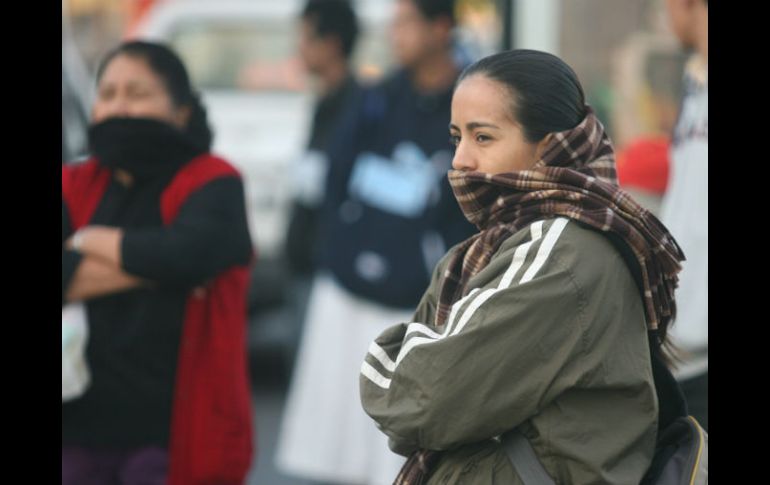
x=333 y=17
x=546 y=94
x=433 y=9
x=166 y=64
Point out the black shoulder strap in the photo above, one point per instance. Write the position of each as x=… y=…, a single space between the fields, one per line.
x=671 y=401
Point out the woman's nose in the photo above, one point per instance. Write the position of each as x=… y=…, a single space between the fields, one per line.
x=462 y=159
x=120 y=107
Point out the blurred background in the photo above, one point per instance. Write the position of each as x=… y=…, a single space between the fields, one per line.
x=242 y=55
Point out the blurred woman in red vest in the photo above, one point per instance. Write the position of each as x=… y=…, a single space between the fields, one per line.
x=155 y=241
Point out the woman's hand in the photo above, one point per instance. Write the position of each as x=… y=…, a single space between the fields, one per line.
x=94 y=278
x=98 y=241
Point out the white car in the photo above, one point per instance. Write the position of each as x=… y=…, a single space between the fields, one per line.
x=242 y=56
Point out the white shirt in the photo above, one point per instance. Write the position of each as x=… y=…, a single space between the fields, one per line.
x=684 y=212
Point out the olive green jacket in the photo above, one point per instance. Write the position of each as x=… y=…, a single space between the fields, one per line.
x=551 y=338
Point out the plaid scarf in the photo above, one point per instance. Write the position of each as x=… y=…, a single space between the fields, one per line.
x=575 y=178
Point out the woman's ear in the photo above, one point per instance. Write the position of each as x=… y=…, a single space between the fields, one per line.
x=542 y=144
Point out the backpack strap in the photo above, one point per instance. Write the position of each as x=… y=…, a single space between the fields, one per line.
x=671 y=401
x=524 y=459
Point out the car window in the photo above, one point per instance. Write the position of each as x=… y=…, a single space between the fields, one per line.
x=237 y=56
x=252 y=56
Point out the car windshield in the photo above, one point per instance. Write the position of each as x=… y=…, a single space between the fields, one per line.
x=239 y=56
x=247 y=56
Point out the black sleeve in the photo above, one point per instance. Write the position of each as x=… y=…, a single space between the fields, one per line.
x=210 y=234
x=343 y=146
x=341 y=149
x=69 y=259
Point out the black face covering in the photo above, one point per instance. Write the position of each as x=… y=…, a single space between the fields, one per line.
x=146 y=148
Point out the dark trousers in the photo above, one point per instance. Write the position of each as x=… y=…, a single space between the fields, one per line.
x=142 y=466
x=696 y=391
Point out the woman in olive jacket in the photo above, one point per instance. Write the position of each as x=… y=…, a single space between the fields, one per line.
x=540 y=322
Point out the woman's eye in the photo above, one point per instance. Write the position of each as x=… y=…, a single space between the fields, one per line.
x=454 y=140
x=482 y=138
x=105 y=94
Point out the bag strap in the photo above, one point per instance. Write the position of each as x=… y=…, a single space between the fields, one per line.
x=524 y=460
x=672 y=404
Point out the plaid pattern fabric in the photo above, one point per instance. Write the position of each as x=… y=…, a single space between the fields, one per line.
x=575 y=178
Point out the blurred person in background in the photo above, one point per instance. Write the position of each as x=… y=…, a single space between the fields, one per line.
x=156 y=244
x=547 y=326
x=643 y=170
x=328 y=32
x=389 y=216
x=685 y=205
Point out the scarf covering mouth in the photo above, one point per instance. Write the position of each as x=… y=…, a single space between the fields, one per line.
x=146 y=148
x=574 y=178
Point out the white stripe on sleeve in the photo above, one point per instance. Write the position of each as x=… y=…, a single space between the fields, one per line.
x=456 y=308
x=520 y=255
x=382 y=357
x=545 y=249
x=374 y=376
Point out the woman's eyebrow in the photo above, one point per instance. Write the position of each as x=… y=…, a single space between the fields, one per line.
x=473 y=125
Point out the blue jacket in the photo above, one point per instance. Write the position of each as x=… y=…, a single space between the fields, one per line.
x=390 y=214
